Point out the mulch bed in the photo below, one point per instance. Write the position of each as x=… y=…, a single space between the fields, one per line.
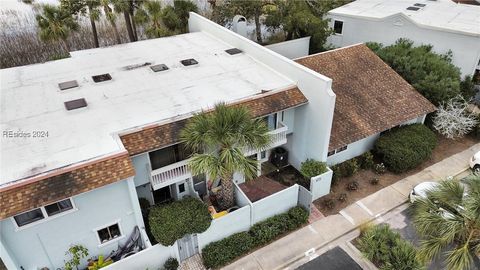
x=444 y=149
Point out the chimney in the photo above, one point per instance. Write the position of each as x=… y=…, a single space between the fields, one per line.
x=239 y=25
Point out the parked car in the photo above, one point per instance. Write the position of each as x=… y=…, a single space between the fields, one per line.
x=475 y=162
x=420 y=190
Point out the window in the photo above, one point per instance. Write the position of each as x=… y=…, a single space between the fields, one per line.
x=29 y=217
x=101 y=77
x=181 y=188
x=263 y=155
x=67 y=85
x=338 y=27
x=160 y=67
x=58 y=207
x=413 y=8
x=189 y=62
x=75 y=104
x=233 y=51
x=331 y=153
x=109 y=233
x=341 y=149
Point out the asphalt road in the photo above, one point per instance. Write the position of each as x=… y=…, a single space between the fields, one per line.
x=334 y=259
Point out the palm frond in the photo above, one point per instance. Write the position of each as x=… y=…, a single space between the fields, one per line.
x=459 y=258
x=208 y=164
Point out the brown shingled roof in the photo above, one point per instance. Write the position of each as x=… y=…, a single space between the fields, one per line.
x=162 y=135
x=371 y=96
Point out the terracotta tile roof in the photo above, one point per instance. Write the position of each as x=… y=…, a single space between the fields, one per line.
x=154 y=137
x=371 y=96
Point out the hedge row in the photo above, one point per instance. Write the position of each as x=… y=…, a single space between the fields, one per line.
x=171 y=222
x=404 y=148
x=220 y=253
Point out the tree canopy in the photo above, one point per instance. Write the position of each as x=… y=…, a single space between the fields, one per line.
x=432 y=74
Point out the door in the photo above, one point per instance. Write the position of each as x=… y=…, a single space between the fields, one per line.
x=162 y=195
x=187 y=246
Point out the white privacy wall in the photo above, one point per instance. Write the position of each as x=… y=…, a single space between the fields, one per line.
x=292 y=49
x=465 y=48
x=151 y=258
x=312 y=121
x=234 y=222
x=275 y=204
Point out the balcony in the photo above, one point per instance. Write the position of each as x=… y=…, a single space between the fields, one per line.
x=170 y=174
x=278 y=135
x=178 y=171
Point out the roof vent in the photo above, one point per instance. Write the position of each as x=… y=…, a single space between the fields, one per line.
x=189 y=62
x=233 y=51
x=413 y=8
x=67 y=85
x=130 y=67
x=102 y=77
x=419 y=5
x=160 y=67
x=75 y=104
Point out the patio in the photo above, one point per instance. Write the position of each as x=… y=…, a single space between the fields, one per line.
x=260 y=188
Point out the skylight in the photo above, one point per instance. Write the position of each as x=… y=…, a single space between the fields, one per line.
x=160 y=67
x=413 y=8
x=67 y=85
x=189 y=62
x=419 y=5
x=75 y=104
x=101 y=77
x=233 y=51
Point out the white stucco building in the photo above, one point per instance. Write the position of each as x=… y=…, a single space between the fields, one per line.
x=442 y=23
x=83 y=138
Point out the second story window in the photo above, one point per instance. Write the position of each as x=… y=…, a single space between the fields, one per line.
x=338 y=27
x=58 y=207
x=29 y=217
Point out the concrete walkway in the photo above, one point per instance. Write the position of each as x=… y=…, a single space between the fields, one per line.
x=286 y=251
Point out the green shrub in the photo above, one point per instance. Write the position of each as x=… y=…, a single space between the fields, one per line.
x=177 y=219
x=386 y=249
x=404 y=148
x=299 y=215
x=220 y=253
x=352 y=186
x=348 y=168
x=171 y=264
x=366 y=161
x=311 y=168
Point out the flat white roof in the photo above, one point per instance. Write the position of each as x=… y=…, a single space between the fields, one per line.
x=32 y=101
x=440 y=14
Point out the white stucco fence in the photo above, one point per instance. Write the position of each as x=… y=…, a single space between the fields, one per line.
x=292 y=49
x=275 y=204
x=320 y=184
x=234 y=222
x=151 y=258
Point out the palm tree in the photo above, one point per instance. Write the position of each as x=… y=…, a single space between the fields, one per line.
x=218 y=140
x=448 y=221
x=80 y=8
x=93 y=15
x=124 y=6
x=151 y=16
x=56 y=24
x=111 y=17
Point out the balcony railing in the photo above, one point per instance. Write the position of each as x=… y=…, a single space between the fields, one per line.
x=172 y=173
x=278 y=136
